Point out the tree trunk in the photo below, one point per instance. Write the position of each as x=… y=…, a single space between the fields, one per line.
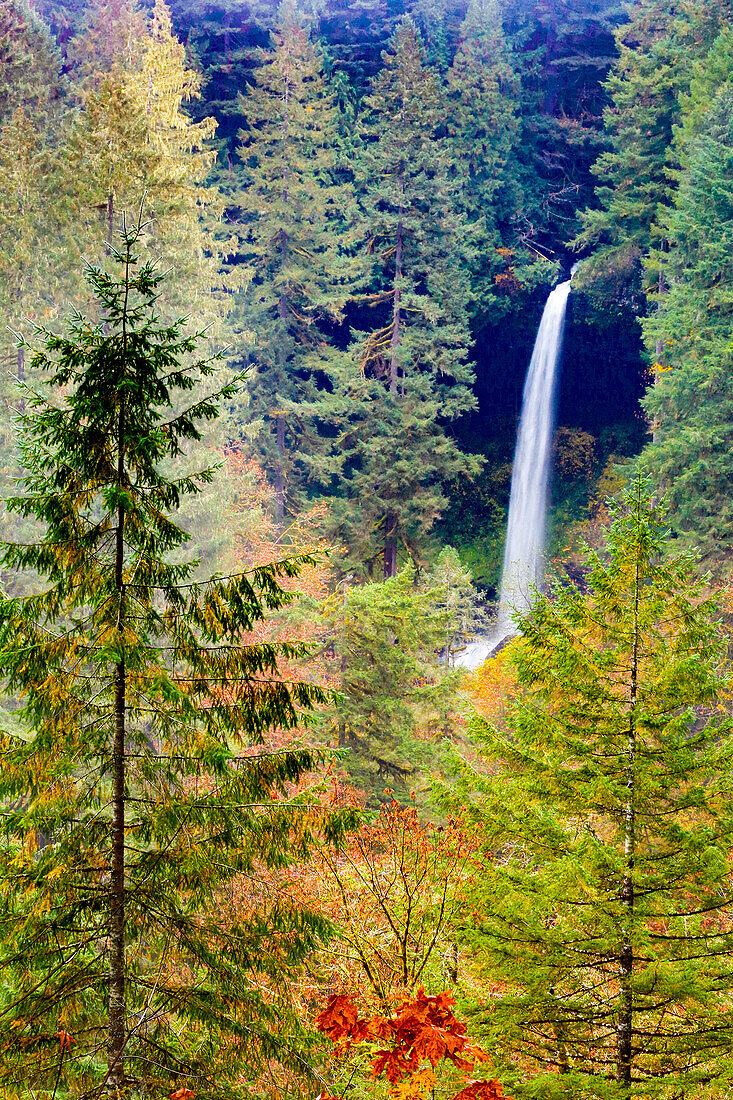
x=624 y=1051
x=396 y=306
x=282 y=303
x=280 y=470
x=20 y=374
x=453 y=965
x=658 y=350
x=117 y=1005
x=282 y=310
x=20 y=361
x=110 y=220
x=390 y=520
x=560 y=1030
x=390 y=545
x=343 y=665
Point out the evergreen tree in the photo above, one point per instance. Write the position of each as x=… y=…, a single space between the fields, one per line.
x=61 y=16
x=30 y=63
x=393 y=690
x=133 y=141
x=30 y=110
x=180 y=200
x=691 y=403
x=220 y=16
x=391 y=394
x=27 y=207
x=459 y=603
x=294 y=210
x=222 y=36
x=483 y=108
x=32 y=113
x=637 y=174
x=433 y=18
x=357 y=32
x=112 y=33
x=108 y=161
x=602 y=912
x=139 y=787
x=634 y=181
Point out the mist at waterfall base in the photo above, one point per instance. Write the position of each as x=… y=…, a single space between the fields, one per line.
x=522 y=572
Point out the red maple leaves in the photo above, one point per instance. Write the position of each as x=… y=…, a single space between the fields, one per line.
x=340 y=1021
x=482 y=1090
x=423 y=1029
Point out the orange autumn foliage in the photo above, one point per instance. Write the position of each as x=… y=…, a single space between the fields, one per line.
x=391 y=892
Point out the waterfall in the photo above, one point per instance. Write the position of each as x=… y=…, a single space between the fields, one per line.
x=525 y=536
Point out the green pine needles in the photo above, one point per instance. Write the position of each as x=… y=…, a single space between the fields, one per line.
x=604 y=920
x=135 y=801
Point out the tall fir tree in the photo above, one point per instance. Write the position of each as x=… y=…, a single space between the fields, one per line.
x=61 y=16
x=28 y=204
x=32 y=114
x=483 y=116
x=391 y=395
x=633 y=174
x=137 y=782
x=601 y=915
x=30 y=62
x=295 y=210
x=637 y=173
x=182 y=203
x=436 y=21
x=221 y=37
x=133 y=141
x=357 y=32
x=111 y=33
x=393 y=690
x=691 y=403
x=31 y=106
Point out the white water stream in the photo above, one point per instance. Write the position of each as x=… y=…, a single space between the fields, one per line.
x=525 y=535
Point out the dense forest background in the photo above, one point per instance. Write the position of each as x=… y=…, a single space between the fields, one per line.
x=304 y=170
x=373 y=183
x=362 y=205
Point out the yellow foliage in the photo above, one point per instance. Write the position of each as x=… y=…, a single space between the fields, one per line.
x=492 y=686
x=158 y=90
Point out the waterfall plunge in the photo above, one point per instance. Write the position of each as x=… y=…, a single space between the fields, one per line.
x=525 y=535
